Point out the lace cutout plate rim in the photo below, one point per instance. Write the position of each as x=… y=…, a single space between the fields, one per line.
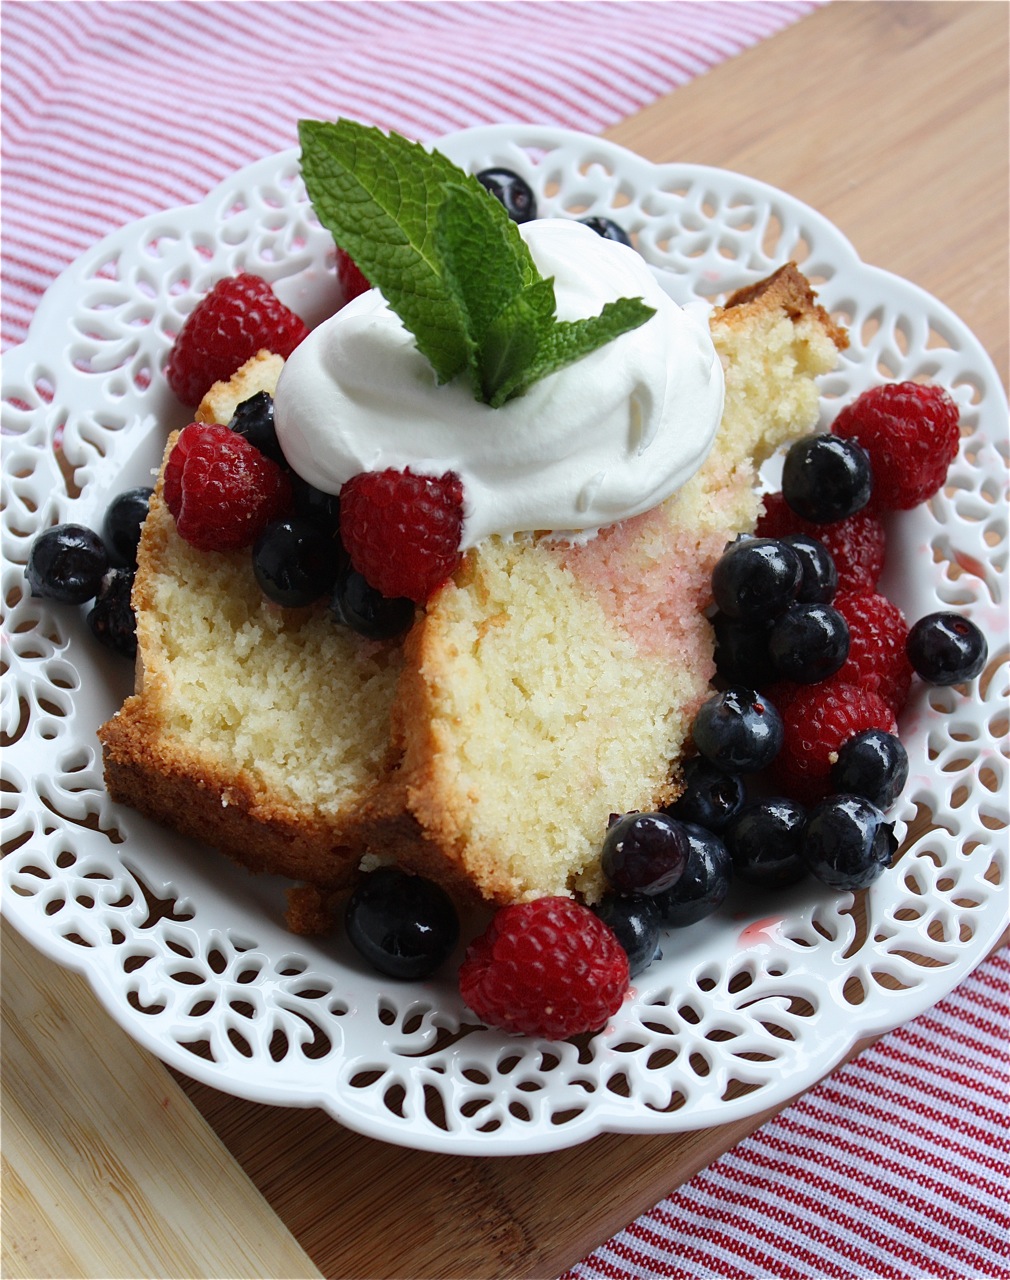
x=189 y=953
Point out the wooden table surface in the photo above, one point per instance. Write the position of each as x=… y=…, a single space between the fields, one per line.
x=890 y=118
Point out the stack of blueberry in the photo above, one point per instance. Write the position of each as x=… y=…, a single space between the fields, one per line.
x=776 y=631
x=73 y=565
x=297 y=558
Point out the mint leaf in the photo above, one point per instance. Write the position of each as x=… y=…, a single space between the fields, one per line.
x=491 y=274
x=482 y=254
x=379 y=196
x=513 y=343
x=448 y=260
x=569 y=340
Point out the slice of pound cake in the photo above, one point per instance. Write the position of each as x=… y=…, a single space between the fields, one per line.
x=257 y=729
x=547 y=685
x=551 y=684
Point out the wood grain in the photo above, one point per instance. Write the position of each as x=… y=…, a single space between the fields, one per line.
x=891 y=119
x=108 y=1170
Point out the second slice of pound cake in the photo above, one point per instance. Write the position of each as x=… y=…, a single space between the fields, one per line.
x=549 y=684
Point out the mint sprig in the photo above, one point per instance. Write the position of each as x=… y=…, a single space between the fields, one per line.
x=448 y=260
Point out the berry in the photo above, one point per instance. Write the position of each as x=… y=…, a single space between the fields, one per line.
x=945 y=648
x=608 y=229
x=826 y=478
x=359 y=606
x=222 y=492
x=877 y=636
x=67 y=563
x=873 y=765
x=911 y=433
x=635 y=921
x=856 y=545
x=847 y=843
x=549 y=968
x=514 y=192
x=643 y=853
x=756 y=578
x=741 y=650
x=124 y=517
x=765 y=843
x=253 y=419
x=403 y=925
x=711 y=797
x=738 y=730
x=817 y=721
x=820 y=577
x=295 y=561
x=352 y=281
x=314 y=504
x=111 y=617
x=402 y=531
x=808 y=643
x=704 y=884
x=238 y=317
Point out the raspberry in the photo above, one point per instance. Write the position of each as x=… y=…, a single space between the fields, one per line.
x=817 y=721
x=349 y=274
x=549 y=968
x=221 y=490
x=856 y=544
x=240 y=316
x=877 y=658
x=402 y=531
x=911 y=433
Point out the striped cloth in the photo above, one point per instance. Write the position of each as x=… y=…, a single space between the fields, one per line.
x=896 y=1166
x=202 y=89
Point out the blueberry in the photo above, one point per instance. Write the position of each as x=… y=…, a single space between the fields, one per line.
x=741 y=650
x=711 y=797
x=254 y=419
x=820 y=576
x=514 y=193
x=808 y=642
x=643 y=852
x=872 y=764
x=403 y=925
x=765 y=843
x=946 y=648
x=314 y=504
x=635 y=920
x=67 y=563
x=295 y=561
x=124 y=517
x=111 y=617
x=608 y=229
x=847 y=843
x=738 y=730
x=826 y=478
x=356 y=604
x=756 y=578
x=704 y=884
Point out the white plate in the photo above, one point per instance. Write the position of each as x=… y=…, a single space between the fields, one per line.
x=189 y=953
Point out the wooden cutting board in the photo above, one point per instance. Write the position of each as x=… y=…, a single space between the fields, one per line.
x=891 y=118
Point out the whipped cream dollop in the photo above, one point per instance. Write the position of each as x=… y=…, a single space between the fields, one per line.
x=604 y=439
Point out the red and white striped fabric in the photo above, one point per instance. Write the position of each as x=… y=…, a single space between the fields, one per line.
x=896 y=1166
x=115 y=110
